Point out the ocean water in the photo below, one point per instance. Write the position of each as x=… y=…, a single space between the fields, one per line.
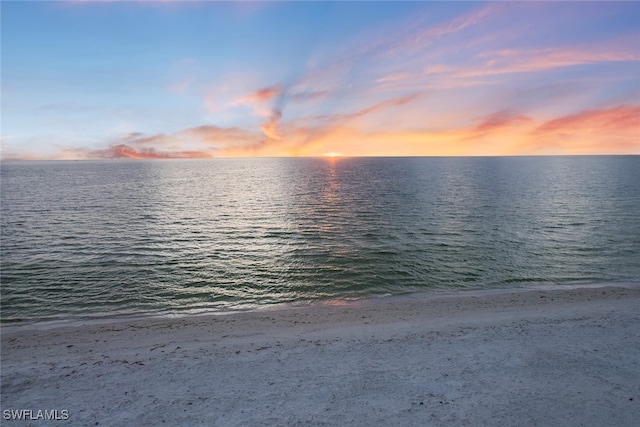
x=102 y=238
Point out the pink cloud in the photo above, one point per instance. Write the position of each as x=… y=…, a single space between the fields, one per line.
x=410 y=37
x=501 y=119
x=461 y=23
x=197 y=142
x=125 y=151
x=522 y=61
x=261 y=94
x=622 y=117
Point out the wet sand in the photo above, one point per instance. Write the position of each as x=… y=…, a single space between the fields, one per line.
x=509 y=357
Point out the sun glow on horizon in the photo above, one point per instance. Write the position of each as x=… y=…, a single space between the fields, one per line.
x=385 y=79
x=333 y=154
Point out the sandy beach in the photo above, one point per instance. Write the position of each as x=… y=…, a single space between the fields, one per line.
x=509 y=357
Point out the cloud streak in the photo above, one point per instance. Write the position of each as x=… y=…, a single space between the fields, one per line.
x=124 y=151
x=619 y=118
x=527 y=61
x=462 y=79
x=500 y=133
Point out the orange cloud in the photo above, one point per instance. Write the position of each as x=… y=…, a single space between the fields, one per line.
x=605 y=131
x=269 y=128
x=306 y=130
x=609 y=130
x=622 y=117
x=264 y=93
x=261 y=94
x=499 y=129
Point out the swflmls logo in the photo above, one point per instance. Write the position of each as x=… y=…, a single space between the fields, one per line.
x=30 y=414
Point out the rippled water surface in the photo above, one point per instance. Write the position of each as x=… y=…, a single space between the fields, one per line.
x=113 y=237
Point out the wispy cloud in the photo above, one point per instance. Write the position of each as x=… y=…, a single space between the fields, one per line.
x=500 y=120
x=619 y=118
x=196 y=142
x=259 y=95
x=483 y=80
x=125 y=151
x=500 y=133
x=421 y=39
x=534 y=60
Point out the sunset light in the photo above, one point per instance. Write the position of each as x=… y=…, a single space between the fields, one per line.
x=349 y=213
x=157 y=80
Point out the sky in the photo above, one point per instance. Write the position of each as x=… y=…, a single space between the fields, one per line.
x=181 y=79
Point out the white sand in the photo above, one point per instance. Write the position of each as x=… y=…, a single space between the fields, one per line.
x=507 y=358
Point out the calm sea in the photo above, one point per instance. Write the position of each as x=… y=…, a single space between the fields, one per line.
x=101 y=238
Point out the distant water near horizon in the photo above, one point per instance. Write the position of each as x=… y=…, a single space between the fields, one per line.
x=102 y=238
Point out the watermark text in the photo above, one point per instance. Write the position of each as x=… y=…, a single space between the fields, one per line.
x=36 y=414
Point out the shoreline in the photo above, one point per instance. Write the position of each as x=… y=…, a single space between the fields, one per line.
x=499 y=356
x=81 y=321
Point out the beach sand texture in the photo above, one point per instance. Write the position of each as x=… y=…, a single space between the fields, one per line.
x=510 y=358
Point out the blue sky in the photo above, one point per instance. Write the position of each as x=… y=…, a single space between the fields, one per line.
x=87 y=79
